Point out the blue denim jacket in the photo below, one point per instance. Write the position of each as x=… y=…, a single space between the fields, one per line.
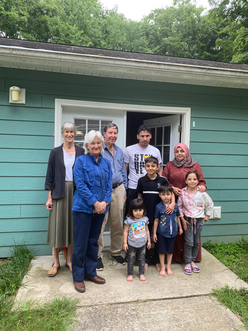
x=93 y=182
x=167 y=223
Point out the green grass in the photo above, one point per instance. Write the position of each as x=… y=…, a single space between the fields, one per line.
x=58 y=314
x=235 y=300
x=234 y=256
x=13 y=270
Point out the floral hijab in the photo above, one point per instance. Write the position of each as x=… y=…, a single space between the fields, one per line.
x=187 y=162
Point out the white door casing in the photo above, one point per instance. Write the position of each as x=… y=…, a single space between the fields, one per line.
x=117 y=112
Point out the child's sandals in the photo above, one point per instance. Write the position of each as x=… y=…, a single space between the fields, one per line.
x=195 y=267
x=188 y=269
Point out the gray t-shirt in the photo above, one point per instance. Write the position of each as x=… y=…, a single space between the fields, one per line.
x=137 y=231
x=135 y=156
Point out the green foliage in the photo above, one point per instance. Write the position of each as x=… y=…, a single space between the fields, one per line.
x=55 y=315
x=232 y=255
x=12 y=271
x=235 y=300
x=183 y=29
x=231 y=19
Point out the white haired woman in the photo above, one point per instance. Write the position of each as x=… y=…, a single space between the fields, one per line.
x=93 y=179
x=59 y=183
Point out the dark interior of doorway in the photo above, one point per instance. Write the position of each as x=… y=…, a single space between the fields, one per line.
x=134 y=120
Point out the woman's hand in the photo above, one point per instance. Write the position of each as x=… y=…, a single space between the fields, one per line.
x=170 y=208
x=125 y=247
x=177 y=191
x=100 y=207
x=184 y=223
x=202 y=188
x=49 y=204
x=148 y=244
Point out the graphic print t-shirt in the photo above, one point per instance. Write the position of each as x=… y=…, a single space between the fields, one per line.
x=135 y=156
x=137 y=231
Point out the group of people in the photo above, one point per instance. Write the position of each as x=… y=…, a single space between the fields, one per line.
x=89 y=186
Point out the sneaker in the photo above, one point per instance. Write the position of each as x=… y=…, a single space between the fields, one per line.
x=119 y=259
x=100 y=265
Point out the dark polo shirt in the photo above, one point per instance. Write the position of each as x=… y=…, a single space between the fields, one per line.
x=149 y=190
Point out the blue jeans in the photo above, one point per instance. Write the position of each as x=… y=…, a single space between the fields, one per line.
x=87 y=228
x=192 y=240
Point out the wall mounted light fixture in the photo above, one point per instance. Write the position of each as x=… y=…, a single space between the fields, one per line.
x=17 y=95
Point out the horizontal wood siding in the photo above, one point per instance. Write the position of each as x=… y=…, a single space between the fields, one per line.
x=219 y=142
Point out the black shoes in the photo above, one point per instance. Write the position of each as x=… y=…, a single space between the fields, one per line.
x=119 y=259
x=100 y=265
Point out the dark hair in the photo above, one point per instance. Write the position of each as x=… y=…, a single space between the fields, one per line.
x=192 y=172
x=110 y=125
x=151 y=159
x=136 y=204
x=165 y=188
x=144 y=128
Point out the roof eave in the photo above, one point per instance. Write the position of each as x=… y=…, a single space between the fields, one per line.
x=102 y=66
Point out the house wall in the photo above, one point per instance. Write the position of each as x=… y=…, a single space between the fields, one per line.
x=219 y=142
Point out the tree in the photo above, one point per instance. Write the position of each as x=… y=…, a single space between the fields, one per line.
x=181 y=30
x=232 y=17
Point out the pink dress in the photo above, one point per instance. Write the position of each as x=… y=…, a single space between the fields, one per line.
x=176 y=177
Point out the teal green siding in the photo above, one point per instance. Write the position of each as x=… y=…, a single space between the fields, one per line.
x=219 y=142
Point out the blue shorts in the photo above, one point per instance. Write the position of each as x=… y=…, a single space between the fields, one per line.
x=165 y=245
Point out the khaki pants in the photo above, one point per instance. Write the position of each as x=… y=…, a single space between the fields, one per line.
x=115 y=222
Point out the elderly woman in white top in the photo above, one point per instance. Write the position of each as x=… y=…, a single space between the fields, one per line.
x=59 y=183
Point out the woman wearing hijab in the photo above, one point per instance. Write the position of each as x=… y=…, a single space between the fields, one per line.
x=175 y=171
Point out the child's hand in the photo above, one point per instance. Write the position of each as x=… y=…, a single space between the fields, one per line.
x=170 y=208
x=125 y=247
x=206 y=218
x=155 y=237
x=184 y=224
x=148 y=245
x=180 y=231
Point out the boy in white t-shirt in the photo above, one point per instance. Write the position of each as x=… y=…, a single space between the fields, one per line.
x=134 y=158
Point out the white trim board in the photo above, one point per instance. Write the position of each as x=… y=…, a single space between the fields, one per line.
x=121 y=108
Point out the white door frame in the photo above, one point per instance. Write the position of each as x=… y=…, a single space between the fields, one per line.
x=124 y=108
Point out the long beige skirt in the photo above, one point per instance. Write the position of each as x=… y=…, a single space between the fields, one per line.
x=60 y=224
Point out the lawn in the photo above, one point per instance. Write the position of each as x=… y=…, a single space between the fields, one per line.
x=57 y=315
x=235 y=257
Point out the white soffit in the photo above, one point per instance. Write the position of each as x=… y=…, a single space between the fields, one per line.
x=103 y=66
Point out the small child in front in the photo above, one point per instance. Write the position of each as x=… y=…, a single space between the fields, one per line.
x=192 y=204
x=166 y=227
x=136 y=237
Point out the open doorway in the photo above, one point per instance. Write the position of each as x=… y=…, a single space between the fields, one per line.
x=164 y=127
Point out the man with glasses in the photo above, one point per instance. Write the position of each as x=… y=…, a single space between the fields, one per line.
x=134 y=157
x=119 y=181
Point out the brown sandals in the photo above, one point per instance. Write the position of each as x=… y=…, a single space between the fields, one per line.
x=53 y=271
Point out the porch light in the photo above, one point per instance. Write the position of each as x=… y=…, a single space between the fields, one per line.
x=17 y=95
